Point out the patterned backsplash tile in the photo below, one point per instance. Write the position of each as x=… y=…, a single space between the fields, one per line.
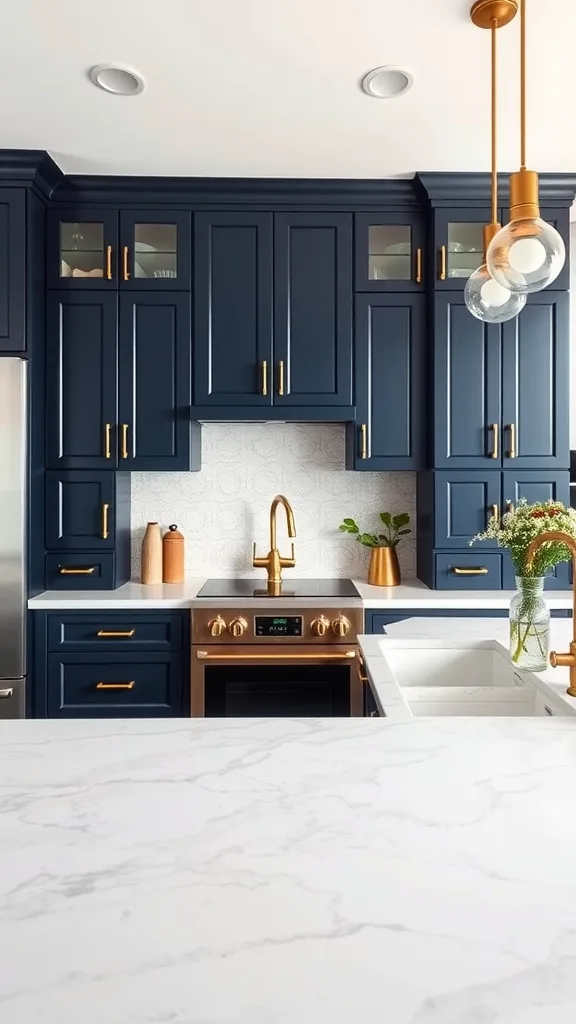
x=224 y=508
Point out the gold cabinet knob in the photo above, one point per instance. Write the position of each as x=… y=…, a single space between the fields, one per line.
x=341 y=625
x=320 y=626
x=237 y=627
x=217 y=626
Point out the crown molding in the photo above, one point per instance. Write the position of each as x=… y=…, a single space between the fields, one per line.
x=474 y=188
x=30 y=167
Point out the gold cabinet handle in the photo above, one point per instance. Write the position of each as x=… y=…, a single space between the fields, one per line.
x=6 y=693
x=125 y=271
x=109 y=262
x=478 y=570
x=116 y=686
x=510 y=506
x=495 y=445
x=442 y=271
x=124 y=440
x=111 y=632
x=281 y=377
x=105 y=508
x=107 y=440
x=511 y=454
x=346 y=655
x=363 y=440
x=76 y=572
x=418 y=266
x=264 y=377
x=494 y=512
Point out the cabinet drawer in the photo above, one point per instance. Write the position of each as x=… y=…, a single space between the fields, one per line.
x=95 y=686
x=85 y=570
x=459 y=571
x=106 y=632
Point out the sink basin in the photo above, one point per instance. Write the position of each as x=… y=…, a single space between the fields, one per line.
x=433 y=678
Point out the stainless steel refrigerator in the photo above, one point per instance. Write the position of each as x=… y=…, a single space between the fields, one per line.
x=13 y=458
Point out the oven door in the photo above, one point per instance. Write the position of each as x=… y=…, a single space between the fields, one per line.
x=285 y=682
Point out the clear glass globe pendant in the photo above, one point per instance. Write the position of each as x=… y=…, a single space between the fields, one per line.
x=528 y=253
x=486 y=298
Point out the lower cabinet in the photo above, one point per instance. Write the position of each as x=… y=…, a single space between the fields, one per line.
x=378 y=621
x=111 y=664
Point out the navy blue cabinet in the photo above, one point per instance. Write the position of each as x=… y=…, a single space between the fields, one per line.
x=388 y=252
x=535 y=393
x=233 y=309
x=12 y=270
x=464 y=501
x=80 y=510
x=81 y=380
x=99 y=249
x=390 y=383
x=272 y=311
x=154 y=382
x=459 y=244
x=313 y=309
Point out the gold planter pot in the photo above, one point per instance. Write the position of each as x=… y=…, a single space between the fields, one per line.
x=384 y=570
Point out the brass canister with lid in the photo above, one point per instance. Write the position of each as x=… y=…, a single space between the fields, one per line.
x=173 y=556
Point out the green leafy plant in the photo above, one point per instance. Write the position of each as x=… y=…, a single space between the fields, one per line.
x=395 y=529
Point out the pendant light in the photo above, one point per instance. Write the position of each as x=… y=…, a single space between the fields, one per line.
x=528 y=254
x=486 y=298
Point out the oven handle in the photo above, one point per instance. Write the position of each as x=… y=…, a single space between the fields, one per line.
x=205 y=656
x=362 y=675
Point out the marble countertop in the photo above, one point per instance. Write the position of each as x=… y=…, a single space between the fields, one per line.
x=288 y=872
x=412 y=594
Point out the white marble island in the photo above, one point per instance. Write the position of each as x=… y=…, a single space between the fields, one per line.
x=288 y=872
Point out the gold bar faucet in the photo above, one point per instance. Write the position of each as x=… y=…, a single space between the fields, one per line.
x=567 y=660
x=274 y=562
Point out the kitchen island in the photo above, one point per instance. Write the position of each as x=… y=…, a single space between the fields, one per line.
x=282 y=871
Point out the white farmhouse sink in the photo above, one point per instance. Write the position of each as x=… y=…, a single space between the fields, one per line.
x=414 y=678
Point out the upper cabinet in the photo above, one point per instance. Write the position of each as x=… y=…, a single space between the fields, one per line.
x=272 y=310
x=500 y=391
x=99 y=249
x=12 y=270
x=389 y=252
x=458 y=245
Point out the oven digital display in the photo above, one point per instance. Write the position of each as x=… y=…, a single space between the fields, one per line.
x=278 y=625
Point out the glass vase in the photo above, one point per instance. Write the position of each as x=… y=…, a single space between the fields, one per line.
x=529 y=625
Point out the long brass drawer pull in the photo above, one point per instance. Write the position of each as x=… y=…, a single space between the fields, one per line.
x=77 y=572
x=105 y=509
x=442 y=273
x=107 y=445
x=511 y=453
x=126 y=272
x=116 y=686
x=495 y=452
x=281 y=377
x=124 y=440
x=363 y=440
x=478 y=570
x=109 y=262
x=494 y=512
x=205 y=656
x=264 y=377
x=111 y=632
x=418 y=266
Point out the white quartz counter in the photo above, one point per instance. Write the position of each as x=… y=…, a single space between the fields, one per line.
x=412 y=594
x=288 y=872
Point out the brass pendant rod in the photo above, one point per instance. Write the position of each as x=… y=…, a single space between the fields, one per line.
x=523 y=85
x=494 y=125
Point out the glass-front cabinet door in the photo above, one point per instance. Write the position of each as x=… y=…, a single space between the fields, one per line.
x=459 y=245
x=82 y=249
x=389 y=252
x=155 y=250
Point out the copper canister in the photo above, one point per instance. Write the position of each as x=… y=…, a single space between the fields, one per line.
x=173 y=556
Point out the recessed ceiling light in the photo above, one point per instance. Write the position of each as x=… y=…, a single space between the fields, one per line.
x=387 y=82
x=118 y=79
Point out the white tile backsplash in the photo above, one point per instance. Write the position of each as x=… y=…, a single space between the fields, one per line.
x=222 y=509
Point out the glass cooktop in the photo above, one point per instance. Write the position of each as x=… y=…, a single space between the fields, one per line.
x=288 y=588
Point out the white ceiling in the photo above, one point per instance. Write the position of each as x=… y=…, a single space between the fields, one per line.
x=271 y=87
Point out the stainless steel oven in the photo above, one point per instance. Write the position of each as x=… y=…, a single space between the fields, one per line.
x=276 y=662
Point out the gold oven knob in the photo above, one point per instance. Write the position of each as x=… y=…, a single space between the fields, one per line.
x=237 y=627
x=217 y=626
x=319 y=627
x=340 y=625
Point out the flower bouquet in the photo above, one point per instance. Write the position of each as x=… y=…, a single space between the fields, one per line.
x=529 y=615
